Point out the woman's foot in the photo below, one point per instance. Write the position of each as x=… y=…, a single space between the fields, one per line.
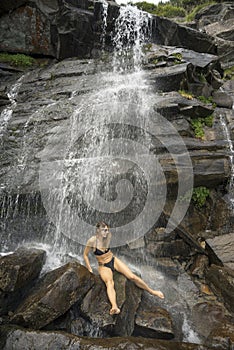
x=157 y=293
x=114 y=311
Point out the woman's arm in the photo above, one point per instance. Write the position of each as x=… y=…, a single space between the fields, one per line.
x=89 y=245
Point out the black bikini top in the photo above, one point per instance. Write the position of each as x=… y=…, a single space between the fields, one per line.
x=100 y=252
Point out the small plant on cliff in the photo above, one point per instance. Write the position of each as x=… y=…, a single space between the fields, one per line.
x=229 y=73
x=197 y=125
x=186 y=94
x=19 y=60
x=209 y=120
x=206 y=99
x=200 y=195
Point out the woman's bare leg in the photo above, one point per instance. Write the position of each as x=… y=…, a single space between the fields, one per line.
x=124 y=269
x=107 y=276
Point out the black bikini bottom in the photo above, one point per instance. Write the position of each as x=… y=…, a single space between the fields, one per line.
x=110 y=264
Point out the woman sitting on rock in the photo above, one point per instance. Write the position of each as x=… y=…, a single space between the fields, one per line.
x=108 y=263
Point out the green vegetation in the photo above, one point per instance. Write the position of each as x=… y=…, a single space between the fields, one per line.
x=186 y=94
x=190 y=17
x=209 y=120
x=199 y=123
x=200 y=195
x=208 y=100
x=197 y=126
x=229 y=73
x=19 y=60
x=162 y=9
x=186 y=9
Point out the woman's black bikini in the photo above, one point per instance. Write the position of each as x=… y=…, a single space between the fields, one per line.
x=110 y=264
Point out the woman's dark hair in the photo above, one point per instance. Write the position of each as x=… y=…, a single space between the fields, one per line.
x=101 y=224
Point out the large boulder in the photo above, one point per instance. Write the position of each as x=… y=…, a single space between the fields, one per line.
x=153 y=321
x=222 y=337
x=95 y=306
x=55 y=28
x=223 y=246
x=216 y=20
x=23 y=339
x=53 y=295
x=17 y=273
x=167 y=32
x=221 y=280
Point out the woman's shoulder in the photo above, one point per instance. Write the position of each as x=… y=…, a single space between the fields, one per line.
x=92 y=241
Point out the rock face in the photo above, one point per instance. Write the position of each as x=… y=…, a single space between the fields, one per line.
x=58 y=29
x=68 y=29
x=26 y=339
x=55 y=293
x=217 y=20
x=17 y=272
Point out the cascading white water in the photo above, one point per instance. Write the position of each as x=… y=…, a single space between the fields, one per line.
x=231 y=157
x=104 y=23
x=132 y=30
x=6 y=114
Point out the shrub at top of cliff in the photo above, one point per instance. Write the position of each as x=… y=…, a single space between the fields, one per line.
x=19 y=60
x=175 y=8
x=164 y=10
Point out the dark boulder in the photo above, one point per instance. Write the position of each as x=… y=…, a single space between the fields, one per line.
x=9 y=5
x=17 y=273
x=153 y=321
x=216 y=20
x=222 y=337
x=221 y=280
x=95 y=306
x=53 y=295
x=23 y=339
x=167 y=32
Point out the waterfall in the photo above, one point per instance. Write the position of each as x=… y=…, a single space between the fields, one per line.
x=104 y=23
x=227 y=136
x=6 y=114
x=107 y=171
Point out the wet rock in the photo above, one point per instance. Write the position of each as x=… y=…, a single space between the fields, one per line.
x=168 y=78
x=17 y=272
x=222 y=99
x=165 y=249
x=53 y=295
x=222 y=337
x=153 y=321
x=10 y=5
x=167 y=32
x=96 y=306
x=223 y=246
x=199 y=266
x=28 y=339
x=221 y=280
x=207 y=316
x=125 y=321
